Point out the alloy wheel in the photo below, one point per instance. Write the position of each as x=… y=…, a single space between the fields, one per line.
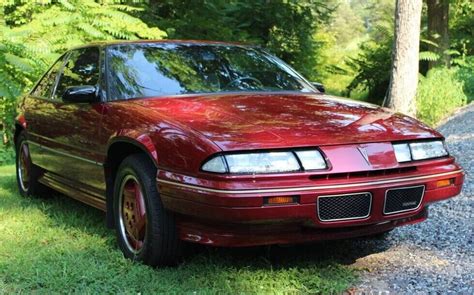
x=23 y=166
x=133 y=219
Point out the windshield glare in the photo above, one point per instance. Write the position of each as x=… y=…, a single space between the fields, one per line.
x=144 y=70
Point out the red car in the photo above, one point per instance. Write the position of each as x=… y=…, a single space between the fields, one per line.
x=222 y=144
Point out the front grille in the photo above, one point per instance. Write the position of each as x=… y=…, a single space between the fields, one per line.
x=344 y=207
x=403 y=199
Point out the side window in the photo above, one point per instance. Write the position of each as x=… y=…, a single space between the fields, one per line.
x=81 y=68
x=45 y=86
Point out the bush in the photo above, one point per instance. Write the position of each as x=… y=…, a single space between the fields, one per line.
x=438 y=94
x=373 y=65
x=466 y=75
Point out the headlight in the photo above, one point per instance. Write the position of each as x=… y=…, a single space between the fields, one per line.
x=266 y=162
x=311 y=160
x=216 y=165
x=402 y=152
x=426 y=150
x=405 y=152
x=262 y=162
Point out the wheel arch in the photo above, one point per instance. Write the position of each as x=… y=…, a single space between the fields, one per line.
x=18 y=130
x=118 y=149
x=20 y=125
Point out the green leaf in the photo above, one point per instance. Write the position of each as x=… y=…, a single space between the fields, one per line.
x=21 y=63
x=429 y=56
x=426 y=41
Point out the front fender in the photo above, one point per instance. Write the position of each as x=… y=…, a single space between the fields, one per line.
x=170 y=148
x=142 y=141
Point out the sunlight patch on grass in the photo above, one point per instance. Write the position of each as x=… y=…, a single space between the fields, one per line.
x=59 y=245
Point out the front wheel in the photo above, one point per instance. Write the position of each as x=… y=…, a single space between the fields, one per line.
x=146 y=231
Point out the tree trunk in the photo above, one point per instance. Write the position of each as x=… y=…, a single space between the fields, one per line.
x=438 y=31
x=404 y=76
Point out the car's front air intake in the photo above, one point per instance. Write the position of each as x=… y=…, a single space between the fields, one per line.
x=344 y=207
x=403 y=199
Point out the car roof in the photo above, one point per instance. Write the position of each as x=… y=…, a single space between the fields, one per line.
x=163 y=41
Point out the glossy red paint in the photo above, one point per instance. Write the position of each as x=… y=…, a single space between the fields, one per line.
x=256 y=235
x=247 y=210
x=21 y=121
x=71 y=143
x=279 y=120
x=301 y=216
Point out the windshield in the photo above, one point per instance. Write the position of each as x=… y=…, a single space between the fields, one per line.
x=154 y=69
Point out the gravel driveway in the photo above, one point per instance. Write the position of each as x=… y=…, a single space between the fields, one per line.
x=436 y=256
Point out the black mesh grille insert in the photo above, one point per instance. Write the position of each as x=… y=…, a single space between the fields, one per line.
x=340 y=207
x=403 y=199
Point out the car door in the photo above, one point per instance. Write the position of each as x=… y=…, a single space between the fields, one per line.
x=38 y=110
x=69 y=130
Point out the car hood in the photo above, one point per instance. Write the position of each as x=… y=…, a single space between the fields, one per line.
x=279 y=120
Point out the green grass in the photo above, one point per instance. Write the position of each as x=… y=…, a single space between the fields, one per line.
x=58 y=245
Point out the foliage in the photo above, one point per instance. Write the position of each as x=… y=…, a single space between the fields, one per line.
x=455 y=57
x=58 y=245
x=286 y=28
x=345 y=44
x=353 y=26
x=429 y=56
x=33 y=35
x=19 y=67
x=465 y=73
x=337 y=41
x=372 y=65
x=374 y=13
x=461 y=25
x=438 y=94
x=346 y=23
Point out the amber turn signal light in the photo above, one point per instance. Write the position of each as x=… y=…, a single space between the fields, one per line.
x=444 y=182
x=280 y=200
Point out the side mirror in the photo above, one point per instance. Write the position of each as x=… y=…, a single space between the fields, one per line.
x=80 y=94
x=319 y=86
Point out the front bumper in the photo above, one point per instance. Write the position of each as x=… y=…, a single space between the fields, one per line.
x=238 y=217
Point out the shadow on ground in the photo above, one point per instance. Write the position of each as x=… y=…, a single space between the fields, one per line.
x=69 y=213
x=62 y=244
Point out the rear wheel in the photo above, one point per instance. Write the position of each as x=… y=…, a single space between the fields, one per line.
x=146 y=232
x=27 y=173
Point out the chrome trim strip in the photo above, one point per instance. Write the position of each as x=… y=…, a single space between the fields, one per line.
x=64 y=154
x=405 y=210
x=307 y=188
x=349 y=218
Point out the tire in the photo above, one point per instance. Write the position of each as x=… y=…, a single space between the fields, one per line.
x=27 y=174
x=146 y=231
